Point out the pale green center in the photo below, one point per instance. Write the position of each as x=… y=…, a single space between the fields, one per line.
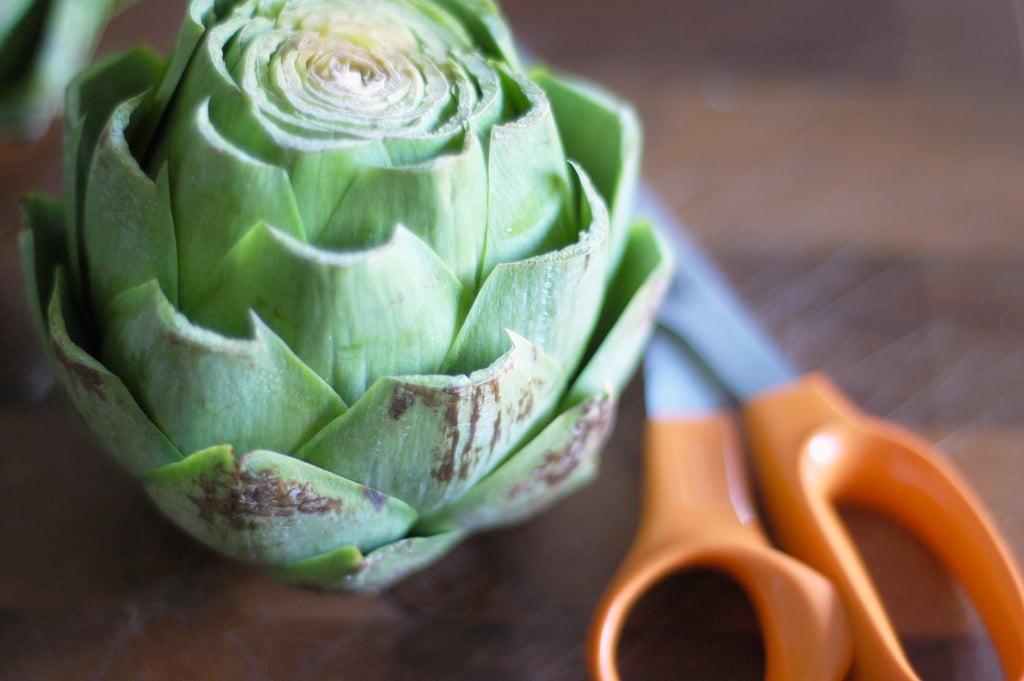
x=401 y=79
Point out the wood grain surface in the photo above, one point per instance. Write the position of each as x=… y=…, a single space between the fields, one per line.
x=858 y=171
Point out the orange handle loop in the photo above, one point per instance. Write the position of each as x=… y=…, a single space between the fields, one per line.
x=813 y=448
x=697 y=512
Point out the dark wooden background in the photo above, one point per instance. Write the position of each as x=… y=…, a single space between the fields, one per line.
x=858 y=170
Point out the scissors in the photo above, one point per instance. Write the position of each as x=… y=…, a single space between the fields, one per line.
x=710 y=370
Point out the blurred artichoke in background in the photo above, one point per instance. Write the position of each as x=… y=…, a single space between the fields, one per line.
x=340 y=282
x=43 y=44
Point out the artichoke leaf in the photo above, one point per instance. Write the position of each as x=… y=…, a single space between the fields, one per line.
x=202 y=389
x=14 y=15
x=58 y=37
x=91 y=99
x=204 y=78
x=347 y=569
x=269 y=508
x=426 y=439
x=321 y=166
x=207 y=78
x=484 y=20
x=41 y=246
x=74 y=200
x=352 y=316
x=627 y=319
x=321 y=174
x=128 y=234
x=94 y=94
x=219 y=192
x=487 y=87
x=189 y=38
x=529 y=193
x=103 y=400
x=529 y=297
x=602 y=134
x=434 y=200
x=415 y=149
x=561 y=459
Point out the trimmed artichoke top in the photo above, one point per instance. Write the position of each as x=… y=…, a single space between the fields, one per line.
x=348 y=252
x=309 y=139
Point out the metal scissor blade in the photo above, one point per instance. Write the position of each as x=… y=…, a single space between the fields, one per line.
x=703 y=311
x=675 y=381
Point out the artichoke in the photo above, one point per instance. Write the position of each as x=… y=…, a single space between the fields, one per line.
x=340 y=282
x=43 y=43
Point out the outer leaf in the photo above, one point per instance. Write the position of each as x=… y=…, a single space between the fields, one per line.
x=528 y=194
x=202 y=389
x=92 y=97
x=552 y=299
x=189 y=37
x=601 y=133
x=484 y=21
x=487 y=87
x=320 y=176
x=271 y=509
x=104 y=402
x=98 y=89
x=529 y=198
x=219 y=193
x=41 y=245
x=128 y=234
x=562 y=458
x=416 y=149
x=74 y=200
x=626 y=321
x=443 y=202
x=347 y=569
x=351 y=316
x=204 y=78
x=426 y=439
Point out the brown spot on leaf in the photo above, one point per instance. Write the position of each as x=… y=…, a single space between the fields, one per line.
x=496 y=428
x=241 y=499
x=407 y=394
x=467 y=458
x=459 y=450
x=376 y=498
x=457 y=456
x=446 y=452
x=444 y=471
x=401 y=400
x=588 y=434
x=496 y=395
x=525 y=406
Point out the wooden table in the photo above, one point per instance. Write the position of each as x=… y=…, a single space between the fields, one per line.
x=857 y=169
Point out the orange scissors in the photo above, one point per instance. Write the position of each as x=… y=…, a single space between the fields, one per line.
x=812 y=449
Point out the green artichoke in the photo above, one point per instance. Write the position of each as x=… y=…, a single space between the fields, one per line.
x=341 y=282
x=43 y=43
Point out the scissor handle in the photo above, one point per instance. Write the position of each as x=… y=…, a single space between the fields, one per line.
x=697 y=512
x=813 y=449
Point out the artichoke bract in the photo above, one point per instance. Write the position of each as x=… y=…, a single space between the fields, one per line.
x=43 y=43
x=341 y=282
